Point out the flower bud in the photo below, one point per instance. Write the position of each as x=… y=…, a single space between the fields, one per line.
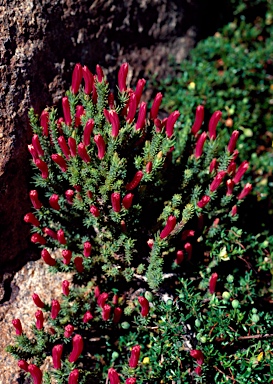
x=33 y=152
x=100 y=74
x=18 y=326
x=199 y=118
x=76 y=349
x=203 y=202
x=141 y=116
x=23 y=365
x=179 y=257
x=65 y=287
x=111 y=100
x=198 y=370
x=232 y=141
x=72 y=146
x=35 y=373
x=135 y=353
x=187 y=233
x=53 y=202
x=155 y=106
x=69 y=196
x=78 y=264
x=102 y=299
x=169 y=227
x=127 y=200
x=30 y=218
x=67 y=255
x=97 y=292
x=88 y=80
x=64 y=147
x=217 y=181
x=139 y=89
x=106 y=310
x=136 y=180
x=55 y=309
x=58 y=159
x=188 y=249
x=74 y=376
x=94 y=91
x=197 y=355
x=87 y=317
x=214 y=120
x=83 y=153
x=94 y=210
x=149 y=167
x=212 y=282
x=60 y=237
x=246 y=190
x=240 y=172
x=170 y=123
x=37 y=146
x=114 y=120
x=79 y=113
x=39 y=319
x=57 y=351
x=69 y=329
x=87 y=248
x=122 y=75
x=34 y=199
x=115 y=200
x=132 y=106
x=37 y=238
x=44 y=119
x=50 y=232
x=213 y=165
x=113 y=376
x=42 y=165
x=100 y=145
x=37 y=301
x=117 y=315
x=66 y=111
x=76 y=78
x=230 y=186
x=234 y=210
x=199 y=145
x=88 y=129
x=144 y=305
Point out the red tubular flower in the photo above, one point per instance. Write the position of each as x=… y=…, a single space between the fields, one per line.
x=198 y=370
x=88 y=129
x=131 y=380
x=58 y=159
x=132 y=106
x=115 y=299
x=106 y=310
x=67 y=255
x=231 y=168
x=111 y=100
x=77 y=348
x=169 y=227
x=94 y=210
x=87 y=317
x=217 y=181
x=39 y=319
x=100 y=74
x=230 y=186
x=57 y=351
x=214 y=120
x=44 y=119
x=55 y=309
x=113 y=376
x=135 y=353
x=232 y=141
x=127 y=200
x=203 y=202
x=37 y=301
x=102 y=299
x=37 y=146
x=68 y=330
x=78 y=264
x=212 y=282
x=100 y=145
x=97 y=292
x=66 y=111
x=42 y=165
x=158 y=124
x=74 y=376
x=197 y=355
x=115 y=200
x=179 y=257
x=34 y=199
x=37 y=238
x=139 y=89
x=18 y=326
x=107 y=115
x=76 y=78
x=94 y=92
x=87 y=248
x=240 y=172
x=50 y=232
x=72 y=146
x=114 y=120
x=234 y=210
x=117 y=314
x=88 y=80
x=23 y=365
x=155 y=106
x=33 y=152
x=64 y=147
x=123 y=226
x=141 y=116
x=247 y=188
x=83 y=153
x=144 y=306
x=30 y=218
x=188 y=249
x=149 y=167
x=199 y=145
x=47 y=258
x=136 y=180
x=199 y=118
x=187 y=233
x=79 y=113
x=122 y=75
x=60 y=237
x=59 y=123
x=213 y=165
x=170 y=123
x=65 y=287
x=69 y=196
x=36 y=374
x=53 y=202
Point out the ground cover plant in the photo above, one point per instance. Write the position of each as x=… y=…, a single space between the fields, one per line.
x=164 y=289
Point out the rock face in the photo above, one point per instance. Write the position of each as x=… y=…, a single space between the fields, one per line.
x=41 y=41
